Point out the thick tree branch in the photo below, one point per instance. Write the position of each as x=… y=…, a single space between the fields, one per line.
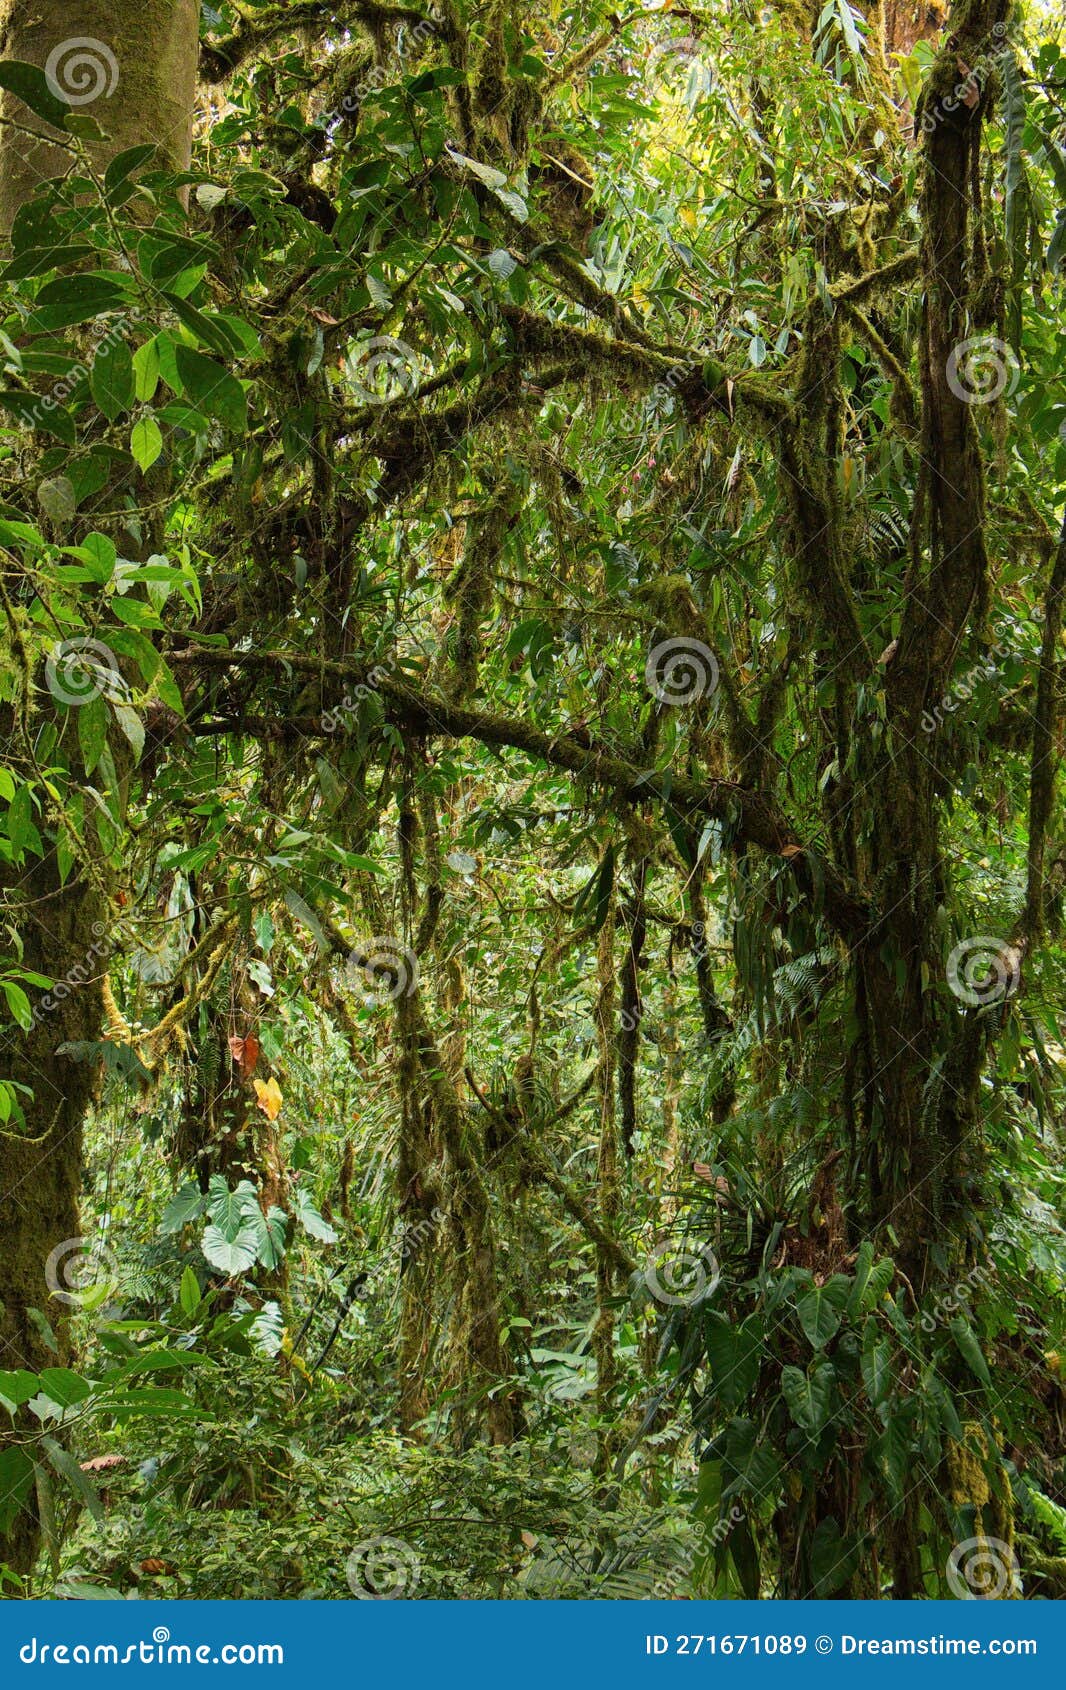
x=748 y=817
x=219 y=59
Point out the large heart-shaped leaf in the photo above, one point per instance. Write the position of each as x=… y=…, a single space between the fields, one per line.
x=821 y=1309
x=809 y=1396
x=230 y=1256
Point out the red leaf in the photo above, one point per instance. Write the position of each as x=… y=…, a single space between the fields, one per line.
x=245 y=1052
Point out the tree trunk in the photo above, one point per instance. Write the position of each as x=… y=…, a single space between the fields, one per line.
x=129 y=64
x=133 y=67
x=44 y=1262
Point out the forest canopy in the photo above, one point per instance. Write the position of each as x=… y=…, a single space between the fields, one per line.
x=532 y=567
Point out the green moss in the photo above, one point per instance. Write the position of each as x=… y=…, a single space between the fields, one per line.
x=40 y=1162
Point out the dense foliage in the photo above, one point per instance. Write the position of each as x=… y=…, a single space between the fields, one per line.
x=532 y=863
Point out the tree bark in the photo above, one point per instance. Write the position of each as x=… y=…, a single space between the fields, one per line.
x=43 y=1258
x=129 y=64
x=132 y=65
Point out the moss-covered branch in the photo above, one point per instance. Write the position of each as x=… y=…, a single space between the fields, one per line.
x=219 y=59
x=748 y=817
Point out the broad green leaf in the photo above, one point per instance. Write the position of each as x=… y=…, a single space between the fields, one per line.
x=146 y=442
x=486 y=173
x=876 y=1366
x=189 y=1293
x=16 y=1482
x=501 y=263
x=310 y=1219
x=872 y=1280
x=821 y=1309
x=18 y=1004
x=17 y=1388
x=809 y=1396
x=750 y=1464
x=40 y=411
x=64 y=1387
x=146 y=370
x=98 y=554
x=735 y=1354
x=743 y=1549
x=970 y=1349
x=148 y=1402
x=188 y=1205
x=230 y=1209
x=514 y=203
x=89 y=294
x=212 y=388
x=68 y=1469
x=58 y=499
x=833 y=1557
x=125 y=164
x=30 y=84
x=269 y=1234
x=39 y=260
x=131 y=725
x=111 y=378
x=211 y=331
x=230 y=1256
x=92 y=731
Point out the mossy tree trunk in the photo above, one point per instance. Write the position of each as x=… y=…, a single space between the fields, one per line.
x=927 y=1056
x=913 y=1086
x=61 y=929
x=131 y=64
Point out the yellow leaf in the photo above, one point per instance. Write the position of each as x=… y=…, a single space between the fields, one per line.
x=269 y=1098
